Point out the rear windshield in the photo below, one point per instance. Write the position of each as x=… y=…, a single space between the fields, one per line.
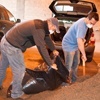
x=80 y=8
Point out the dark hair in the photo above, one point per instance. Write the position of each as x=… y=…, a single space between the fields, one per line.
x=93 y=15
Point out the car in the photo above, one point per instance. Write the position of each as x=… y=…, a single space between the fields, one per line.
x=67 y=12
x=7 y=20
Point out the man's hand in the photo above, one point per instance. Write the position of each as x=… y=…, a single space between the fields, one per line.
x=54 y=66
x=84 y=58
x=56 y=53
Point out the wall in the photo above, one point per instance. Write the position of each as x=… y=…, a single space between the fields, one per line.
x=10 y=5
x=28 y=9
x=38 y=9
x=33 y=8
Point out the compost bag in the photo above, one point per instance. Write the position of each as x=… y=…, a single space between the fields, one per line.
x=38 y=81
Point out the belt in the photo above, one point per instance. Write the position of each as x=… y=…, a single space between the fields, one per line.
x=10 y=43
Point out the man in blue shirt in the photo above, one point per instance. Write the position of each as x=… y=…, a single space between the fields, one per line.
x=73 y=42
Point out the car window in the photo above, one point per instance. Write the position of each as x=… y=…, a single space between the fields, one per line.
x=11 y=17
x=6 y=15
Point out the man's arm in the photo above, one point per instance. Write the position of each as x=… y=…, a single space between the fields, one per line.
x=39 y=40
x=80 y=42
x=49 y=42
x=50 y=45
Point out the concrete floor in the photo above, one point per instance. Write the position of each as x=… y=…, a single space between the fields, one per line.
x=32 y=55
x=33 y=59
x=97 y=57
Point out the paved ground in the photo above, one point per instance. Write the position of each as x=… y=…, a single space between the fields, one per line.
x=33 y=59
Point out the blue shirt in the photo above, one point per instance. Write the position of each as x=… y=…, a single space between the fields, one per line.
x=77 y=30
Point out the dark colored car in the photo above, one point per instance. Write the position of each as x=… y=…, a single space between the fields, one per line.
x=67 y=12
x=7 y=20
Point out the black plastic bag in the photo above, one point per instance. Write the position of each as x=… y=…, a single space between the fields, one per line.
x=38 y=81
x=53 y=77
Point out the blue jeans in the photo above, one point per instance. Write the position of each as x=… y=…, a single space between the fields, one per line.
x=71 y=62
x=14 y=57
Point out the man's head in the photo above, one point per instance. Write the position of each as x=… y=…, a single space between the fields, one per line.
x=53 y=24
x=92 y=18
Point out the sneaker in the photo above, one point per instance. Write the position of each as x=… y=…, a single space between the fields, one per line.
x=1 y=87
x=23 y=97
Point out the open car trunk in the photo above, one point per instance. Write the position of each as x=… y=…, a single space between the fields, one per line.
x=67 y=12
